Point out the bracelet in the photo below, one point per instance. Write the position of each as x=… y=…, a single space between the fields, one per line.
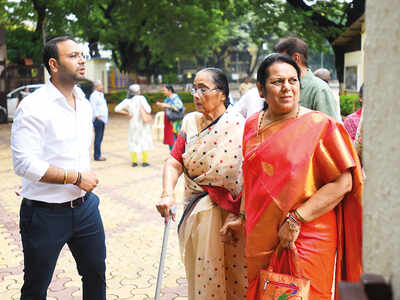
x=65 y=176
x=242 y=215
x=298 y=216
x=78 y=179
x=294 y=217
x=164 y=194
x=294 y=225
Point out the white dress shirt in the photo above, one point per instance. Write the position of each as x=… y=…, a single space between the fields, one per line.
x=47 y=131
x=249 y=103
x=99 y=106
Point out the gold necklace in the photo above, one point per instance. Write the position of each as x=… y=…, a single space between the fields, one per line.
x=261 y=119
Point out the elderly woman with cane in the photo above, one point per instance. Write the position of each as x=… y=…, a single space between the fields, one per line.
x=302 y=184
x=208 y=153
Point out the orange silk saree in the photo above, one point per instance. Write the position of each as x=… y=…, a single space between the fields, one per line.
x=284 y=165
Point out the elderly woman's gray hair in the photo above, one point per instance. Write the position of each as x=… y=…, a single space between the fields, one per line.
x=133 y=90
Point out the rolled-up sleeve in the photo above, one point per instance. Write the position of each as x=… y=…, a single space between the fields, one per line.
x=27 y=135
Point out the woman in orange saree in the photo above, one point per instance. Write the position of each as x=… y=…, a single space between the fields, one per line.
x=299 y=165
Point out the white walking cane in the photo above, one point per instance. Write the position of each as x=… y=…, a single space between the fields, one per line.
x=172 y=211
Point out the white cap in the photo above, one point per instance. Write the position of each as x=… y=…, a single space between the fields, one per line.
x=134 y=88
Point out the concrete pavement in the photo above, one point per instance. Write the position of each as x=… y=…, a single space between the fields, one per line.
x=133 y=227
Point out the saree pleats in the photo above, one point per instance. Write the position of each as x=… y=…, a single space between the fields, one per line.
x=214 y=270
x=212 y=159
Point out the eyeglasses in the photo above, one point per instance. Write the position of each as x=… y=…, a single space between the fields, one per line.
x=202 y=91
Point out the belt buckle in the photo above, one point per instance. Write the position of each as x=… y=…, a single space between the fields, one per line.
x=71 y=202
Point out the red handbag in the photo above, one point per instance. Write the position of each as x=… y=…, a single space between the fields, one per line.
x=278 y=286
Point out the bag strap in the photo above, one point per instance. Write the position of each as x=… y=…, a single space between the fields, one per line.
x=293 y=261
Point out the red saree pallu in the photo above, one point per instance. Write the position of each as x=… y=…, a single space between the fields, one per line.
x=284 y=165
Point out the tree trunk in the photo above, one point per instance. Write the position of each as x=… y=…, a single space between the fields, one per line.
x=94 y=47
x=339 y=62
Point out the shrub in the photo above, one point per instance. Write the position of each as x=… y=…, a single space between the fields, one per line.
x=349 y=103
x=117 y=97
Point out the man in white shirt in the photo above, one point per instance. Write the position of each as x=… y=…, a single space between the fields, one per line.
x=50 y=142
x=249 y=103
x=100 y=117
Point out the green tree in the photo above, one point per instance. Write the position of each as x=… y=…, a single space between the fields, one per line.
x=29 y=23
x=325 y=20
x=148 y=36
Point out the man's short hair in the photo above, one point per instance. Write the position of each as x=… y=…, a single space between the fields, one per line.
x=51 y=51
x=291 y=45
x=324 y=74
x=97 y=82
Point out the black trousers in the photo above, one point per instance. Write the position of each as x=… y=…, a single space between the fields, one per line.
x=44 y=232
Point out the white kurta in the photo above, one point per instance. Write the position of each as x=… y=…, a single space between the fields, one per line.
x=139 y=138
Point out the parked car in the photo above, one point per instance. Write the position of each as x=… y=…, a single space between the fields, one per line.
x=14 y=96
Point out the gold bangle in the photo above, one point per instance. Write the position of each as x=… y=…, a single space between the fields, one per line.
x=65 y=176
x=302 y=220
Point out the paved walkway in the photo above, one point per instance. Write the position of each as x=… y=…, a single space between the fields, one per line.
x=133 y=227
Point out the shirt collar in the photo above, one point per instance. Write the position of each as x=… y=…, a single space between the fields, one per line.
x=307 y=77
x=55 y=94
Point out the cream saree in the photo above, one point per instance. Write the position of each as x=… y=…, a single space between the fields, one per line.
x=212 y=158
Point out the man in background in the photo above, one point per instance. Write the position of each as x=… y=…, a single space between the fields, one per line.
x=325 y=75
x=315 y=94
x=245 y=86
x=249 y=103
x=100 y=118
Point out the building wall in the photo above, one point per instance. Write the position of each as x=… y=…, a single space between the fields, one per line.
x=351 y=59
x=96 y=70
x=381 y=251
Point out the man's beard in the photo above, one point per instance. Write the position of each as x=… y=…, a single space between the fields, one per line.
x=67 y=75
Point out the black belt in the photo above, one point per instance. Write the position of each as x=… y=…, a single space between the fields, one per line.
x=72 y=204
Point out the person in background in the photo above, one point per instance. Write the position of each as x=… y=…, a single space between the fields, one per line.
x=358 y=141
x=315 y=94
x=50 y=143
x=22 y=95
x=245 y=86
x=208 y=153
x=100 y=117
x=352 y=121
x=249 y=103
x=303 y=186
x=325 y=75
x=171 y=128
x=139 y=136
